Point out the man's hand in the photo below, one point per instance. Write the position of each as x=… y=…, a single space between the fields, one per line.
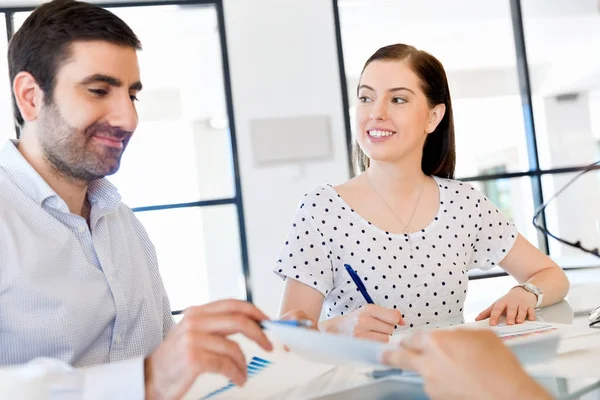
x=199 y=344
x=465 y=364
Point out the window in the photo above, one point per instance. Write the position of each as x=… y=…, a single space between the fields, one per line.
x=482 y=74
x=498 y=55
x=498 y=190
x=178 y=173
x=514 y=198
x=481 y=68
x=7 y=127
x=565 y=93
x=565 y=76
x=574 y=215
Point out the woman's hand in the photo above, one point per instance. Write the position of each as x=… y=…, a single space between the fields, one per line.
x=518 y=305
x=299 y=315
x=368 y=322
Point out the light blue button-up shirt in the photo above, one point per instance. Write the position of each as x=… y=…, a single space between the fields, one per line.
x=82 y=295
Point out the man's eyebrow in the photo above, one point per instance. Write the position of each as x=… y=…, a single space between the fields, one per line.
x=112 y=81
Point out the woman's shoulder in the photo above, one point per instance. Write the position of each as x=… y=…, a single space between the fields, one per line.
x=458 y=192
x=457 y=186
x=317 y=192
x=318 y=195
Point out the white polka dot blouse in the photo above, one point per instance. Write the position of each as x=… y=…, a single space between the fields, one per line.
x=424 y=275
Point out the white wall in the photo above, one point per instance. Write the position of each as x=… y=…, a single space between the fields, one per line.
x=283 y=63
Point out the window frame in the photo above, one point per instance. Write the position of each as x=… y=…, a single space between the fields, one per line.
x=237 y=199
x=535 y=172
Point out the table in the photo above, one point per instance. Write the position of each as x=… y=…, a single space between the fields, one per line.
x=582 y=298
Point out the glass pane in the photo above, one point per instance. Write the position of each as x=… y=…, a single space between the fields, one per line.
x=515 y=199
x=7 y=126
x=181 y=151
x=474 y=42
x=573 y=215
x=198 y=252
x=565 y=77
x=19 y=18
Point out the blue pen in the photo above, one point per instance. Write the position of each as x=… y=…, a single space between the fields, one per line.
x=298 y=323
x=386 y=373
x=361 y=287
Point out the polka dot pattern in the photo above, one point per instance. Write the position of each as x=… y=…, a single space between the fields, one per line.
x=427 y=284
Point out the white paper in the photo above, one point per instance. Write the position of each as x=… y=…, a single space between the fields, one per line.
x=329 y=348
x=532 y=342
x=578 y=354
x=285 y=371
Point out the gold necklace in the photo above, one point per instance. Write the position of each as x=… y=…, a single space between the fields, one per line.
x=407 y=229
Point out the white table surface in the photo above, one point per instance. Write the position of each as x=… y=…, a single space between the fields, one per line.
x=583 y=352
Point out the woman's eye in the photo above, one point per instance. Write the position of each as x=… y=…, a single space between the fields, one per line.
x=363 y=99
x=398 y=100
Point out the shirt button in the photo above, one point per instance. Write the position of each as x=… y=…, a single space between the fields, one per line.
x=82 y=229
x=118 y=339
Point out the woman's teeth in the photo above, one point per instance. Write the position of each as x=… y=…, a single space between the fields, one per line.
x=378 y=134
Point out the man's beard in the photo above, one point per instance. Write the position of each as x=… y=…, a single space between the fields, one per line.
x=70 y=151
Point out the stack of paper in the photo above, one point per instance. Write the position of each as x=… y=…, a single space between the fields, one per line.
x=269 y=374
x=328 y=348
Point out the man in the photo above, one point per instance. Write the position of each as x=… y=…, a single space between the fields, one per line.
x=465 y=364
x=79 y=280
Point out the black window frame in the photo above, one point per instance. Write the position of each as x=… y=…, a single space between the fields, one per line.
x=535 y=172
x=237 y=199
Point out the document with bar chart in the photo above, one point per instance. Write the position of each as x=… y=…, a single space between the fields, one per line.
x=268 y=375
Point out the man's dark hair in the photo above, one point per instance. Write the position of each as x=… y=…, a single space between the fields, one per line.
x=43 y=43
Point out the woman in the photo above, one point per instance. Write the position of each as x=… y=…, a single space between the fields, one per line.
x=403 y=224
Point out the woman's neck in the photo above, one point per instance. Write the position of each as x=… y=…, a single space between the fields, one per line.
x=395 y=179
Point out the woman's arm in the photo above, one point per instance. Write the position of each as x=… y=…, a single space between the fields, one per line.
x=300 y=301
x=526 y=263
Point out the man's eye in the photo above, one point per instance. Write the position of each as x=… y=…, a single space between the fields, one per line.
x=99 y=92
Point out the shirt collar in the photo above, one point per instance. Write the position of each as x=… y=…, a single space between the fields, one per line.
x=101 y=193
x=22 y=173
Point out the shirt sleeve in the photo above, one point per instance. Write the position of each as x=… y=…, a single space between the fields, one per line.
x=495 y=237
x=119 y=380
x=52 y=379
x=168 y=321
x=305 y=255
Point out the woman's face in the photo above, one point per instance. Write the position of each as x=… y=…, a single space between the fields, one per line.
x=393 y=114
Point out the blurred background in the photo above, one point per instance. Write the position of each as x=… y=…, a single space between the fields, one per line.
x=256 y=101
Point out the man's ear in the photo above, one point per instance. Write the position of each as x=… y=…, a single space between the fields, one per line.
x=435 y=116
x=29 y=95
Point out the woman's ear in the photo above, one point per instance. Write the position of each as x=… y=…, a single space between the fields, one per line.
x=28 y=94
x=435 y=116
